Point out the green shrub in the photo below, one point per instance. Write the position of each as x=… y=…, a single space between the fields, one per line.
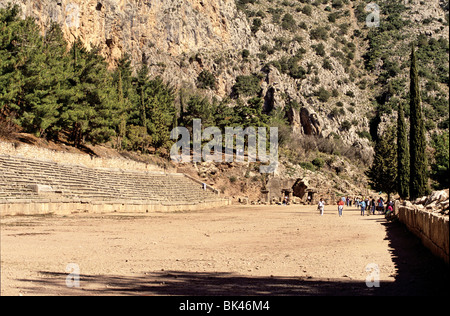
x=346 y=125
x=245 y=54
x=242 y=4
x=365 y=134
x=308 y=166
x=319 y=49
x=323 y=94
x=307 y=10
x=319 y=33
x=290 y=67
x=318 y=162
x=337 y=4
x=247 y=85
x=335 y=112
x=350 y=93
x=327 y=64
x=288 y=22
x=303 y=25
x=257 y=23
x=332 y=17
x=206 y=80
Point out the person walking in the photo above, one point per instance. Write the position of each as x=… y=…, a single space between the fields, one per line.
x=340 y=207
x=363 y=207
x=373 y=206
x=381 y=205
x=321 y=206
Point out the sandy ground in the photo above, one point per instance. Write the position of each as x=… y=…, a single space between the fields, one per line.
x=238 y=250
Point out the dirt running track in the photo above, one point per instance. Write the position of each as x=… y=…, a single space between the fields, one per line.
x=263 y=250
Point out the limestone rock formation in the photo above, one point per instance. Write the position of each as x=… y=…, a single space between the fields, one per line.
x=142 y=28
x=437 y=201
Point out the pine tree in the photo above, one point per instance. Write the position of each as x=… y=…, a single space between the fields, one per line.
x=45 y=83
x=20 y=55
x=199 y=108
x=10 y=76
x=383 y=172
x=418 y=161
x=160 y=111
x=122 y=127
x=440 y=166
x=141 y=82
x=402 y=154
x=90 y=108
x=101 y=97
x=126 y=97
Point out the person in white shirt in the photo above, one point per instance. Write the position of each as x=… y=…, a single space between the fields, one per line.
x=321 y=206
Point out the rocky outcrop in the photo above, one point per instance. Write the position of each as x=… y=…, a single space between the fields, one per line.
x=144 y=28
x=436 y=202
x=178 y=39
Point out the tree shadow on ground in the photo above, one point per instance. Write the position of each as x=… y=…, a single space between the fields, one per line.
x=185 y=283
x=419 y=272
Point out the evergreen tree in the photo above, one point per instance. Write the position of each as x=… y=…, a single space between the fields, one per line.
x=11 y=82
x=161 y=110
x=155 y=107
x=383 y=172
x=90 y=107
x=101 y=97
x=45 y=83
x=224 y=115
x=440 y=166
x=418 y=162
x=251 y=114
x=126 y=97
x=199 y=108
x=402 y=154
x=141 y=82
x=20 y=50
x=76 y=111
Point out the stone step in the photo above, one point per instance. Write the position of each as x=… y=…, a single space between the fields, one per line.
x=79 y=182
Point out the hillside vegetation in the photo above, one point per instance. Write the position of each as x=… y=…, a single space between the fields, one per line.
x=313 y=68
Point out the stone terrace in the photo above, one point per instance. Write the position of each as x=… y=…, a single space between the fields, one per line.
x=28 y=179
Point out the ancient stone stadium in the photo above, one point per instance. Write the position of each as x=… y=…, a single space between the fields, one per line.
x=31 y=187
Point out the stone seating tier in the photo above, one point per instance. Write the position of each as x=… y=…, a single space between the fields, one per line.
x=19 y=178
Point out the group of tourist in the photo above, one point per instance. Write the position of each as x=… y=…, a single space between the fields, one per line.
x=365 y=204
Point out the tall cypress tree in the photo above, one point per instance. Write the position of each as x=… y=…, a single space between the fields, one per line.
x=402 y=155
x=418 y=162
x=383 y=172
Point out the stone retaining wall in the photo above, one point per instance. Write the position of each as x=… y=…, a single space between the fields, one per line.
x=46 y=207
x=431 y=228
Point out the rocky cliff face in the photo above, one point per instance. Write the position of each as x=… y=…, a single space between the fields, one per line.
x=178 y=39
x=309 y=58
x=141 y=28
